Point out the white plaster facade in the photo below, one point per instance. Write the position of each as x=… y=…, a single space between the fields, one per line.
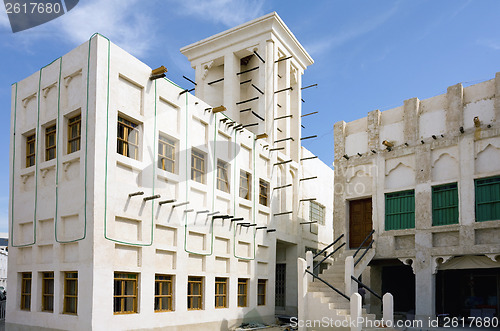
x=415 y=148
x=73 y=213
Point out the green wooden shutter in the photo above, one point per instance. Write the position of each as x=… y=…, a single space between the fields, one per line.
x=400 y=210
x=445 y=204
x=487 y=199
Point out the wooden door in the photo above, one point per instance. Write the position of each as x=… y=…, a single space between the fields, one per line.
x=360 y=222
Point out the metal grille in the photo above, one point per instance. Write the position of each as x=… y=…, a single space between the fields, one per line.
x=280 y=285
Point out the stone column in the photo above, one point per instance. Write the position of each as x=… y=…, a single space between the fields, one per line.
x=425 y=279
x=270 y=83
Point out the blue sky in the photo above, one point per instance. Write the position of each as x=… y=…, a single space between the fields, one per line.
x=370 y=54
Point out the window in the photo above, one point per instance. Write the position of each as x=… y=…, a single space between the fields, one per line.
x=197 y=166
x=400 y=210
x=245 y=185
x=220 y=292
x=74 y=133
x=317 y=212
x=70 y=292
x=50 y=143
x=445 y=204
x=26 y=291
x=128 y=138
x=30 y=150
x=163 y=293
x=242 y=292
x=125 y=293
x=487 y=199
x=195 y=293
x=166 y=154
x=222 y=176
x=261 y=292
x=263 y=192
x=48 y=291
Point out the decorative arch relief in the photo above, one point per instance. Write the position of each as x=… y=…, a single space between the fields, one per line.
x=409 y=261
x=401 y=175
x=445 y=166
x=439 y=260
x=488 y=159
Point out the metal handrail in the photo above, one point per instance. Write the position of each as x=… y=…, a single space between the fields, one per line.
x=361 y=246
x=326 y=257
x=324 y=249
x=364 y=253
x=327 y=284
x=363 y=285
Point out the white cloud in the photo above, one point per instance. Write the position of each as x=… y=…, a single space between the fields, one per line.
x=124 y=22
x=4 y=20
x=345 y=35
x=227 y=12
x=493 y=44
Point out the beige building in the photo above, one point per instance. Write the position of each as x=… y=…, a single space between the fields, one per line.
x=136 y=205
x=425 y=177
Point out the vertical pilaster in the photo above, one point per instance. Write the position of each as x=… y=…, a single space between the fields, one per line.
x=339 y=139
x=373 y=129
x=200 y=81
x=231 y=83
x=455 y=108
x=270 y=83
x=423 y=194
x=497 y=97
x=410 y=119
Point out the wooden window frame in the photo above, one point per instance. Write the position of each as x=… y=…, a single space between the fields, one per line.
x=165 y=142
x=400 y=195
x=68 y=278
x=245 y=178
x=165 y=291
x=26 y=278
x=75 y=121
x=118 y=277
x=30 y=140
x=195 y=280
x=47 y=297
x=493 y=199
x=50 y=132
x=243 y=285
x=261 y=296
x=197 y=155
x=221 y=282
x=317 y=212
x=438 y=206
x=223 y=176
x=263 y=192
x=125 y=142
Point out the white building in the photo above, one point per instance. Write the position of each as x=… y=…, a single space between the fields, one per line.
x=425 y=177
x=158 y=209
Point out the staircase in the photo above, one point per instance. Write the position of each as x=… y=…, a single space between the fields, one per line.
x=322 y=301
x=335 y=276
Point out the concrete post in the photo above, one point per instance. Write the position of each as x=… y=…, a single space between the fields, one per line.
x=302 y=291
x=310 y=265
x=425 y=285
x=356 y=310
x=350 y=286
x=388 y=309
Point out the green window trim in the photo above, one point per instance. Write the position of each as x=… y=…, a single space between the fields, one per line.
x=445 y=204
x=487 y=193
x=400 y=210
